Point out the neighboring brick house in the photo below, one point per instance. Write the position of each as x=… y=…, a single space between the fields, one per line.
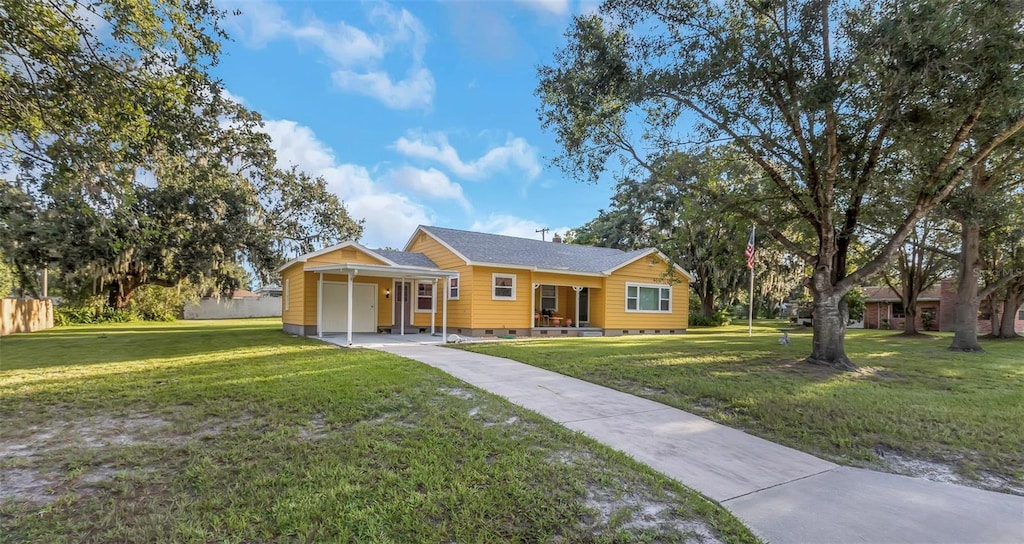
x=883 y=306
x=937 y=306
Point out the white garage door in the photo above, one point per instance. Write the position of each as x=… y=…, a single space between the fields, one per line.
x=364 y=307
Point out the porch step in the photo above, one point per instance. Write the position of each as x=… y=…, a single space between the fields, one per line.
x=591 y=333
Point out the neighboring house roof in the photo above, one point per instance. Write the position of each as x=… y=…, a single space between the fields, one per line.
x=243 y=293
x=479 y=248
x=406 y=258
x=884 y=293
x=390 y=257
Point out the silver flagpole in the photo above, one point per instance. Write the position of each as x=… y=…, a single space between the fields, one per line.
x=750 y=313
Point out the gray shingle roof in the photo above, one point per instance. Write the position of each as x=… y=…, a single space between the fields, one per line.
x=406 y=258
x=495 y=248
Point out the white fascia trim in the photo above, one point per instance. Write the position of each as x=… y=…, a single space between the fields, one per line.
x=391 y=271
x=335 y=247
x=647 y=253
x=444 y=244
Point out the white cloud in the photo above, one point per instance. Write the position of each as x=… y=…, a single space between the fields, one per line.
x=553 y=7
x=356 y=55
x=343 y=44
x=510 y=225
x=403 y=27
x=431 y=182
x=515 y=152
x=390 y=216
x=415 y=91
x=231 y=96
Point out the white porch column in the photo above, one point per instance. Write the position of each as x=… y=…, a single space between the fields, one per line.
x=320 y=305
x=533 y=303
x=349 y=327
x=433 y=307
x=577 y=320
x=404 y=295
x=444 y=312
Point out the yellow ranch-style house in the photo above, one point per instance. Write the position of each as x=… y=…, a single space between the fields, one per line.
x=475 y=284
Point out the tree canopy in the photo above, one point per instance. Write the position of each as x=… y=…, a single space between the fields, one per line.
x=827 y=98
x=125 y=161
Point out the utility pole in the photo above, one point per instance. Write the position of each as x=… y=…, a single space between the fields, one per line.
x=542 y=233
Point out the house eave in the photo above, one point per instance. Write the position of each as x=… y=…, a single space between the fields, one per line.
x=348 y=243
x=397 y=271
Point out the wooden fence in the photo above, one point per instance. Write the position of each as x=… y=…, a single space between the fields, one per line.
x=25 y=315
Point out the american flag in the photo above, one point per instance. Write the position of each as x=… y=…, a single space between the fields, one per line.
x=750 y=249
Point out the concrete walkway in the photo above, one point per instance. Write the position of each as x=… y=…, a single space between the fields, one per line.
x=782 y=494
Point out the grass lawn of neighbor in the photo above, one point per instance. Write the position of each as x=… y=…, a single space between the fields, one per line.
x=232 y=431
x=914 y=408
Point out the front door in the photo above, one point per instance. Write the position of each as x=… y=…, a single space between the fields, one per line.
x=585 y=305
x=403 y=303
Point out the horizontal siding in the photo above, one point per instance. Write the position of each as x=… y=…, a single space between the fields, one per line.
x=500 y=314
x=310 y=297
x=344 y=255
x=597 y=308
x=292 y=277
x=460 y=311
x=645 y=271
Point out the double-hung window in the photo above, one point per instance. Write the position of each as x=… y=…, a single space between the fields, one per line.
x=648 y=298
x=453 y=288
x=424 y=296
x=549 y=298
x=503 y=286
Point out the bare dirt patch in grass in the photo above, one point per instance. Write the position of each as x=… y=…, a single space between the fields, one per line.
x=27 y=485
x=458 y=392
x=317 y=428
x=940 y=471
x=637 y=511
x=620 y=505
x=89 y=432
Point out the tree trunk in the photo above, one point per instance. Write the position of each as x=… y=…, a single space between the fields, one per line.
x=910 y=317
x=829 y=323
x=119 y=295
x=993 y=314
x=707 y=304
x=965 y=332
x=1011 y=303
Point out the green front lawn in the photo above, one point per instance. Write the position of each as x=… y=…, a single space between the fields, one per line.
x=914 y=408
x=232 y=431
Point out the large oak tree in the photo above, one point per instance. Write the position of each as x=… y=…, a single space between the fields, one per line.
x=828 y=98
x=125 y=163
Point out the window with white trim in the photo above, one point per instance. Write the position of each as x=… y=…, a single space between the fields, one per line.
x=453 y=288
x=503 y=286
x=548 y=298
x=287 y=294
x=424 y=296
x=648 y=298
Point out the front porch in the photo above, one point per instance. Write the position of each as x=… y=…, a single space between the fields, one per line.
x=559 y=309
x=366 y=299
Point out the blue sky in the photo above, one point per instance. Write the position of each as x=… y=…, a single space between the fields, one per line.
x=420 y=112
